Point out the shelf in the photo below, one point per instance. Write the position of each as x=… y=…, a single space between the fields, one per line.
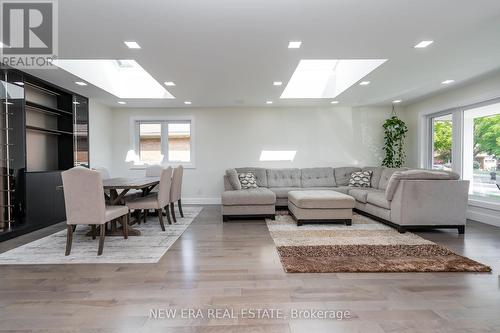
x=48 y=131
x=45 y=90
x=49 y=109
x=43 y=111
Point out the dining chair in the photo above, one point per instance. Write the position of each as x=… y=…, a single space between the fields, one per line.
x=154 y=170
x=176 y=190
x=157 y=201
x=104 y=172
x=84 y=200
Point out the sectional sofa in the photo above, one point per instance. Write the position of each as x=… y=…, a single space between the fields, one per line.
x=403 y=198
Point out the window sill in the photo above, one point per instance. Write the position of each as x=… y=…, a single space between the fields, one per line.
x=143 y=166
x=481 y=202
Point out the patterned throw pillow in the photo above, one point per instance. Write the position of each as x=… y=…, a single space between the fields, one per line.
x=361 y=179
x=247 y=180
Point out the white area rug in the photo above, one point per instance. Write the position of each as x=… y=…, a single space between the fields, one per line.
x=147 y=248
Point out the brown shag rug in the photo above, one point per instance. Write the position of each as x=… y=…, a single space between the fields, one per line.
x=366 y=246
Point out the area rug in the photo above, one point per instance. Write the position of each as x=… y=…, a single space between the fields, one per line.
x=147 y=248
x=366 y=246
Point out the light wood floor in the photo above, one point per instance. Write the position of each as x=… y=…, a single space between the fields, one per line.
x=235 y=265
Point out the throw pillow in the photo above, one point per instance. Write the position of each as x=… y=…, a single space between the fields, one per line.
x=247 y=180
x=360 y=179
x=232 y=177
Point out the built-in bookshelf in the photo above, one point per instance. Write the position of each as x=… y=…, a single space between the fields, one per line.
x=43 y=131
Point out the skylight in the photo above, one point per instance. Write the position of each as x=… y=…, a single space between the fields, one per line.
x=122 y=78
x=327 y=78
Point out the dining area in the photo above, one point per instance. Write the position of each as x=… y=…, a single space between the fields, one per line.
x=108 y=206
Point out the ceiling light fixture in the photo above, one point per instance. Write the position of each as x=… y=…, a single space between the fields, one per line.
x=169 y=83
x=447 y=81
x=396 y=101
x=2 y=46
x=19 y=83
x=132 y=45
x=327 y=78
x=294 y=44
x=277 y=83
x=423 y=44
x=269 y=102
x=187 y=102
x=80 y=83
x=76 y=103
x=334 y=102
x=364 y=83
x=122 y=102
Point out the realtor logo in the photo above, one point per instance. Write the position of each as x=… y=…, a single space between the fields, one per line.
x=29 y=33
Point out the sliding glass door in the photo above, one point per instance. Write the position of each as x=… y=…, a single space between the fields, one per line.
x=481 y=150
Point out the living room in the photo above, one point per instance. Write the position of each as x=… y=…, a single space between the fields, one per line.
x=245 y=166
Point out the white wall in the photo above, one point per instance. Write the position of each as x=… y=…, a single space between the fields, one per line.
x=100 y=131
x=234 y=137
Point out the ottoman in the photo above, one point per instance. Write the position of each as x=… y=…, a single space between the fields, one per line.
x=320 y=206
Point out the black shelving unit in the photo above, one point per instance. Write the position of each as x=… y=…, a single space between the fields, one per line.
x=43 y=131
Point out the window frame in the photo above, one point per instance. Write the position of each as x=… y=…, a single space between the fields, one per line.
x=164 y=121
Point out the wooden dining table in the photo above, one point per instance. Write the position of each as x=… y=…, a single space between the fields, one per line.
x=118 y=189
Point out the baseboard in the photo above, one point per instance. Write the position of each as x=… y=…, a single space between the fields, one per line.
x=482 y=215
x=201 y=201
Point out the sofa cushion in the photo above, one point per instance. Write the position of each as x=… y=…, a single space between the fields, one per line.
x=232 y=178
x=343 y=174
x=378 y=199
x=283 y=177
x=317 y=177
x=320 y=200
x=282 y=192
x=247 y=180
x=342 y=189
x=254 y=196
x=415 y=174
x=259 y=173
x=376 y=173
x=386 y=176
x=360 y=179
x=361 y=194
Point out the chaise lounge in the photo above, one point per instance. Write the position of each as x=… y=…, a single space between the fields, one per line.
x=403 y=198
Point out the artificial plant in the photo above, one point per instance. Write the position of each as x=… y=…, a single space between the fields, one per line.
x=394 y=135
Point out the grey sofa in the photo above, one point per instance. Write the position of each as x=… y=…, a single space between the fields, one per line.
x=402 y=198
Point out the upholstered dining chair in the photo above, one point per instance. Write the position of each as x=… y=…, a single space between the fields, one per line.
x=154 y=170
x=84 y=200
x=104 y=172
x=175 y=191
x=157 y=201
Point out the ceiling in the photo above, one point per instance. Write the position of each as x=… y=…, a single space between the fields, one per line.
x=226 y=53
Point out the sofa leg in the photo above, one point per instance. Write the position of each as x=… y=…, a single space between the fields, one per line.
x=273 y=217
x=225 y=218
x=348 y=222
x=461 y=229
x=401 y=230
x=299 y=223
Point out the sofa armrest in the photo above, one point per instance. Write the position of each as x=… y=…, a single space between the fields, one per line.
x=227 y=184
x=430 y=202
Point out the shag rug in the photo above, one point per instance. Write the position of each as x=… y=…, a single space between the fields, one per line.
x=149 y=247
x=366 y=246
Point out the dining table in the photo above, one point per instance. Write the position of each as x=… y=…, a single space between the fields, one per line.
x=115 y=191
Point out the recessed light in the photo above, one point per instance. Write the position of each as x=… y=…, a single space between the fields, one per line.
x=170 y=84
x=334 y=102
x=122 y=102
x=294 y=44
x=447 y=81
x=277 y=83
x=269 y=102
x=397 y=101
x=80 y=83
x=423 y=44
x=187 y=102
x=364 y=83
x=132 y=45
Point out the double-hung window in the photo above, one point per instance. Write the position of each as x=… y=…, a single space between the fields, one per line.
x=163 y=141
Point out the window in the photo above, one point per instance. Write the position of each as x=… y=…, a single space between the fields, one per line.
x=481 y=140
x=442 y=142
x=162 y=142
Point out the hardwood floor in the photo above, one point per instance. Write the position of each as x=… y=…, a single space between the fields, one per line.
x=234 y=265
